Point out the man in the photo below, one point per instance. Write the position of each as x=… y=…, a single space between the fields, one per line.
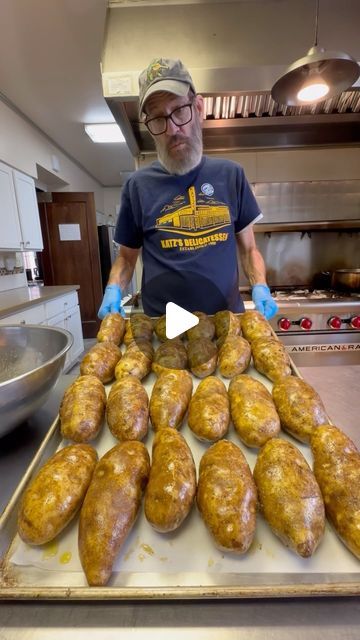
x=188 y=213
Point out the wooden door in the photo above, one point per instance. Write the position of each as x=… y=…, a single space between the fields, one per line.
x=71 y=251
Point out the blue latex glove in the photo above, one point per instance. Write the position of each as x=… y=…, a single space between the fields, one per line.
x=111 y=301
x=263 y=300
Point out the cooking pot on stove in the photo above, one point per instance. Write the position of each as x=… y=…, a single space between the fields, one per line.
x=346 y=279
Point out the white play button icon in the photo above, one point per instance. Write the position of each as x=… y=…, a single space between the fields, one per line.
x=178 y=320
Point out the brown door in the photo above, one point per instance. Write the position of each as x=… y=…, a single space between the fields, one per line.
x=71 y=251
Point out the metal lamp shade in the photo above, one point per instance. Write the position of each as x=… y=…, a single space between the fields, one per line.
x=337 y=69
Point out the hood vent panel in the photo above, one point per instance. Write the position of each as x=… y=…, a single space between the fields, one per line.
x=254 y=121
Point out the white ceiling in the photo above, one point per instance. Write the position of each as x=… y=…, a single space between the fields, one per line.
x=50 y=52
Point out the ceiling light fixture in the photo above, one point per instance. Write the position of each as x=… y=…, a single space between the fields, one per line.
x=104 y=132
x=320 y=74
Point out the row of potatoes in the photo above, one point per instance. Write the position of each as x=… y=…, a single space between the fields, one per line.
x=109 y=492
x=224 y=340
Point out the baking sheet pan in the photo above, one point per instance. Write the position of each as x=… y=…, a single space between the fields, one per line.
x=182 y=565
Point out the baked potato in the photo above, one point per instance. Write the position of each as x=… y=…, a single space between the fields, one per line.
x=171 y=488
x=110 y=508
x=127 y=409
x=112 y=329
x=289 y=496
x=337 y=470
x=55 y=494
x=204 y=329
x=254 y=325
x=234 y=356
x=160 y=328
x=226 y=323
x=252 y=411
x=169 y=355
x=136 y=360
x=82 y=409
x=139 y=327
x=299 y=406
x=226 y=497
x=100 y=361
x=170 y=398
x=271 y=358
x=202 y=355
x=209 y=413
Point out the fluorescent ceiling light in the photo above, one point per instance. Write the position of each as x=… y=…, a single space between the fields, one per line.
x=105 y=132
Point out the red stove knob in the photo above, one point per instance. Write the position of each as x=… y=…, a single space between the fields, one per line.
x=334 y=322
x=284 y=324
x=355 y=322
x=306 y=324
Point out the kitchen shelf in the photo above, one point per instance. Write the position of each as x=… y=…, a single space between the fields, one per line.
x=330 y=225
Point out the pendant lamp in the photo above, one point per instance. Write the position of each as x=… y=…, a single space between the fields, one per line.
x=318 y=76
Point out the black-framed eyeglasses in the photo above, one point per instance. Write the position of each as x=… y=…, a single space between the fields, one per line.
x=179 y=116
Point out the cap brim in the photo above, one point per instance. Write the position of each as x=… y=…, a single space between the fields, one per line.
x=171 y=86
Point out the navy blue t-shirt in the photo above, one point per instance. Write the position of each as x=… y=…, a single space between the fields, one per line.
x=186 y=226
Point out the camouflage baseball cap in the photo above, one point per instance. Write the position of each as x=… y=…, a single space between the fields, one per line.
x=164 y=74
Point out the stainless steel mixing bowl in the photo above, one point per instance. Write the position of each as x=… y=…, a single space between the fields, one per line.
x=32 y=358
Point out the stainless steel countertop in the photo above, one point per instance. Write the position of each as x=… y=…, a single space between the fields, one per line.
x=283 y=619
x=15 y=300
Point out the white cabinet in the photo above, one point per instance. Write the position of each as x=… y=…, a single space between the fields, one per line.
x=32 y=315
x=19 y=213
x=64 y=312
x=28 y=211
x=10 y=236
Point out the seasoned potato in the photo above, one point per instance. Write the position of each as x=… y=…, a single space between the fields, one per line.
x=100 y=361
x=226 y=323
x=205 y=328
x=202 y=354
x=209 y=413
x=271 y=358
x=170 y=398
x=254 y=325
x=170 y=355
x=252 y=411
x=234 y=356
x=160 y=328
x=337 y=470
x=226 y=497
x=139 y=327
x=136 y=360
x=112 y=329
x=82 y=409
x=127 y=409
x=171 y=489
x=56 y=493
x=110 y=508
x=299 y=406
x=289 y=496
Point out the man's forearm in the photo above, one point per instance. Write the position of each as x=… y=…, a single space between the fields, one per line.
x=254 y=266
x=121 y=272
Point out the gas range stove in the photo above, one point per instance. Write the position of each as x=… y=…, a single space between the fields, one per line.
x=318 y=326
x=316 y=310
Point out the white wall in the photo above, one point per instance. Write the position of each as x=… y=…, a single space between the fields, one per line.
x=287 y=165
x=24 y=147
x=112 y=198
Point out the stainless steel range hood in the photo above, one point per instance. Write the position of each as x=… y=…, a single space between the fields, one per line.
x=235 y=51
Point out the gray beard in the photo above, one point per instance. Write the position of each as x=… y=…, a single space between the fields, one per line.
x=191 y=157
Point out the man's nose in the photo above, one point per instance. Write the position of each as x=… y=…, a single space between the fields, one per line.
x=172 y=128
